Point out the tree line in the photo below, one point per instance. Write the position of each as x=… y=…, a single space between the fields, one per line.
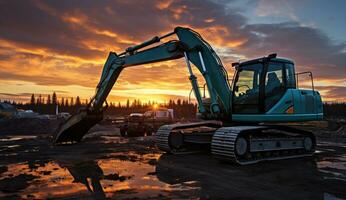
x=38 y=103
x=182 y=108
x=54 y=100
x=335 y=109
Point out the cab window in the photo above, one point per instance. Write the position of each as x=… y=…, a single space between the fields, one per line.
x=290 y=76
x=246 y=89
x=274 y=84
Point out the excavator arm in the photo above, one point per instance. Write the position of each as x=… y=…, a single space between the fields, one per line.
x=115 y=64
x=190 y=45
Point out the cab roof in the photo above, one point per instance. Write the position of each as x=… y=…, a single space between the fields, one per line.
x=258 y=60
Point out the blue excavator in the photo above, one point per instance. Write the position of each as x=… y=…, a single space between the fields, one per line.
x=240 y=119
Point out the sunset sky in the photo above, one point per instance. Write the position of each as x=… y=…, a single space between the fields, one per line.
x=61 y=46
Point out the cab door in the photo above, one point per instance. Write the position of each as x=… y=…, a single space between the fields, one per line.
x=274 y=85
x=246 y=89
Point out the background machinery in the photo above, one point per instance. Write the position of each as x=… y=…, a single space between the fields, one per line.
x=140 y=124
x=263 y=90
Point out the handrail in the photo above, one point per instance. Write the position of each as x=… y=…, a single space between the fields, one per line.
x=311 y=76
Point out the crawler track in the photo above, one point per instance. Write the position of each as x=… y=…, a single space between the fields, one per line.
x=237 y=144
x=172 y=138
x=252 y=144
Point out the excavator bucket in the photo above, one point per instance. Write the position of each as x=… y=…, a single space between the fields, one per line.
x=73 y=130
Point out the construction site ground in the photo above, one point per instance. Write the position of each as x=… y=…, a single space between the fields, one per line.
x=106 y=165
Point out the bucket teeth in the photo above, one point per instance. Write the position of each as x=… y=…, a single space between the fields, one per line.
x=73 y=130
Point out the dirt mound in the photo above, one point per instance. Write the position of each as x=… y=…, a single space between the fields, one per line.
x=28 y=126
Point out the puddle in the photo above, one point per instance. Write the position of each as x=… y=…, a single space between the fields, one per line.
x=7 y=139
x=333 y=167
x=336 y=164
x=102 y=178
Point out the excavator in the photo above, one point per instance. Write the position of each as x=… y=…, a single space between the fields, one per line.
x=240 y=119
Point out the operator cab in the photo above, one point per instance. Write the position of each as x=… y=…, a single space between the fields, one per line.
x=259 y=84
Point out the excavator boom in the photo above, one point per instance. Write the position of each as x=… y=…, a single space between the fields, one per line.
x=190 y=45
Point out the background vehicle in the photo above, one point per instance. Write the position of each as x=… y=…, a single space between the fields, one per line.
x=137 y=124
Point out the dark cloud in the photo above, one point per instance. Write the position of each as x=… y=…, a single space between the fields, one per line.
x=24 y=23
x=46 y=23
x=63 y=26
x=308 y=46
x=132 y=18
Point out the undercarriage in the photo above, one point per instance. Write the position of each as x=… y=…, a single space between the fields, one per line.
x=237 y=144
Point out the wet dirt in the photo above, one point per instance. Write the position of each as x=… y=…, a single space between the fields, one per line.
x=108 y=166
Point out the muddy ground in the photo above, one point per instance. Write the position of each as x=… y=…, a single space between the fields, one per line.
x=105 y=165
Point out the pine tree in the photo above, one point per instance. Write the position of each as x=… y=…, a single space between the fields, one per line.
x=71 y=102
x=48 y=99
x=134 y=103
x=62 y=101
x=127 y=103
x=32 y=100
x=54 y=99
x=78 y=103
x=66 y=102
x=39 y=100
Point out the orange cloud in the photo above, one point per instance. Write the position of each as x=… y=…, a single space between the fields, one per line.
x=161 y=5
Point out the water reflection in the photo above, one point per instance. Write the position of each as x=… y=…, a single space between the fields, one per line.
x=15 y=138
x=90 y=175
x=187 y=176
x=115 y=177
